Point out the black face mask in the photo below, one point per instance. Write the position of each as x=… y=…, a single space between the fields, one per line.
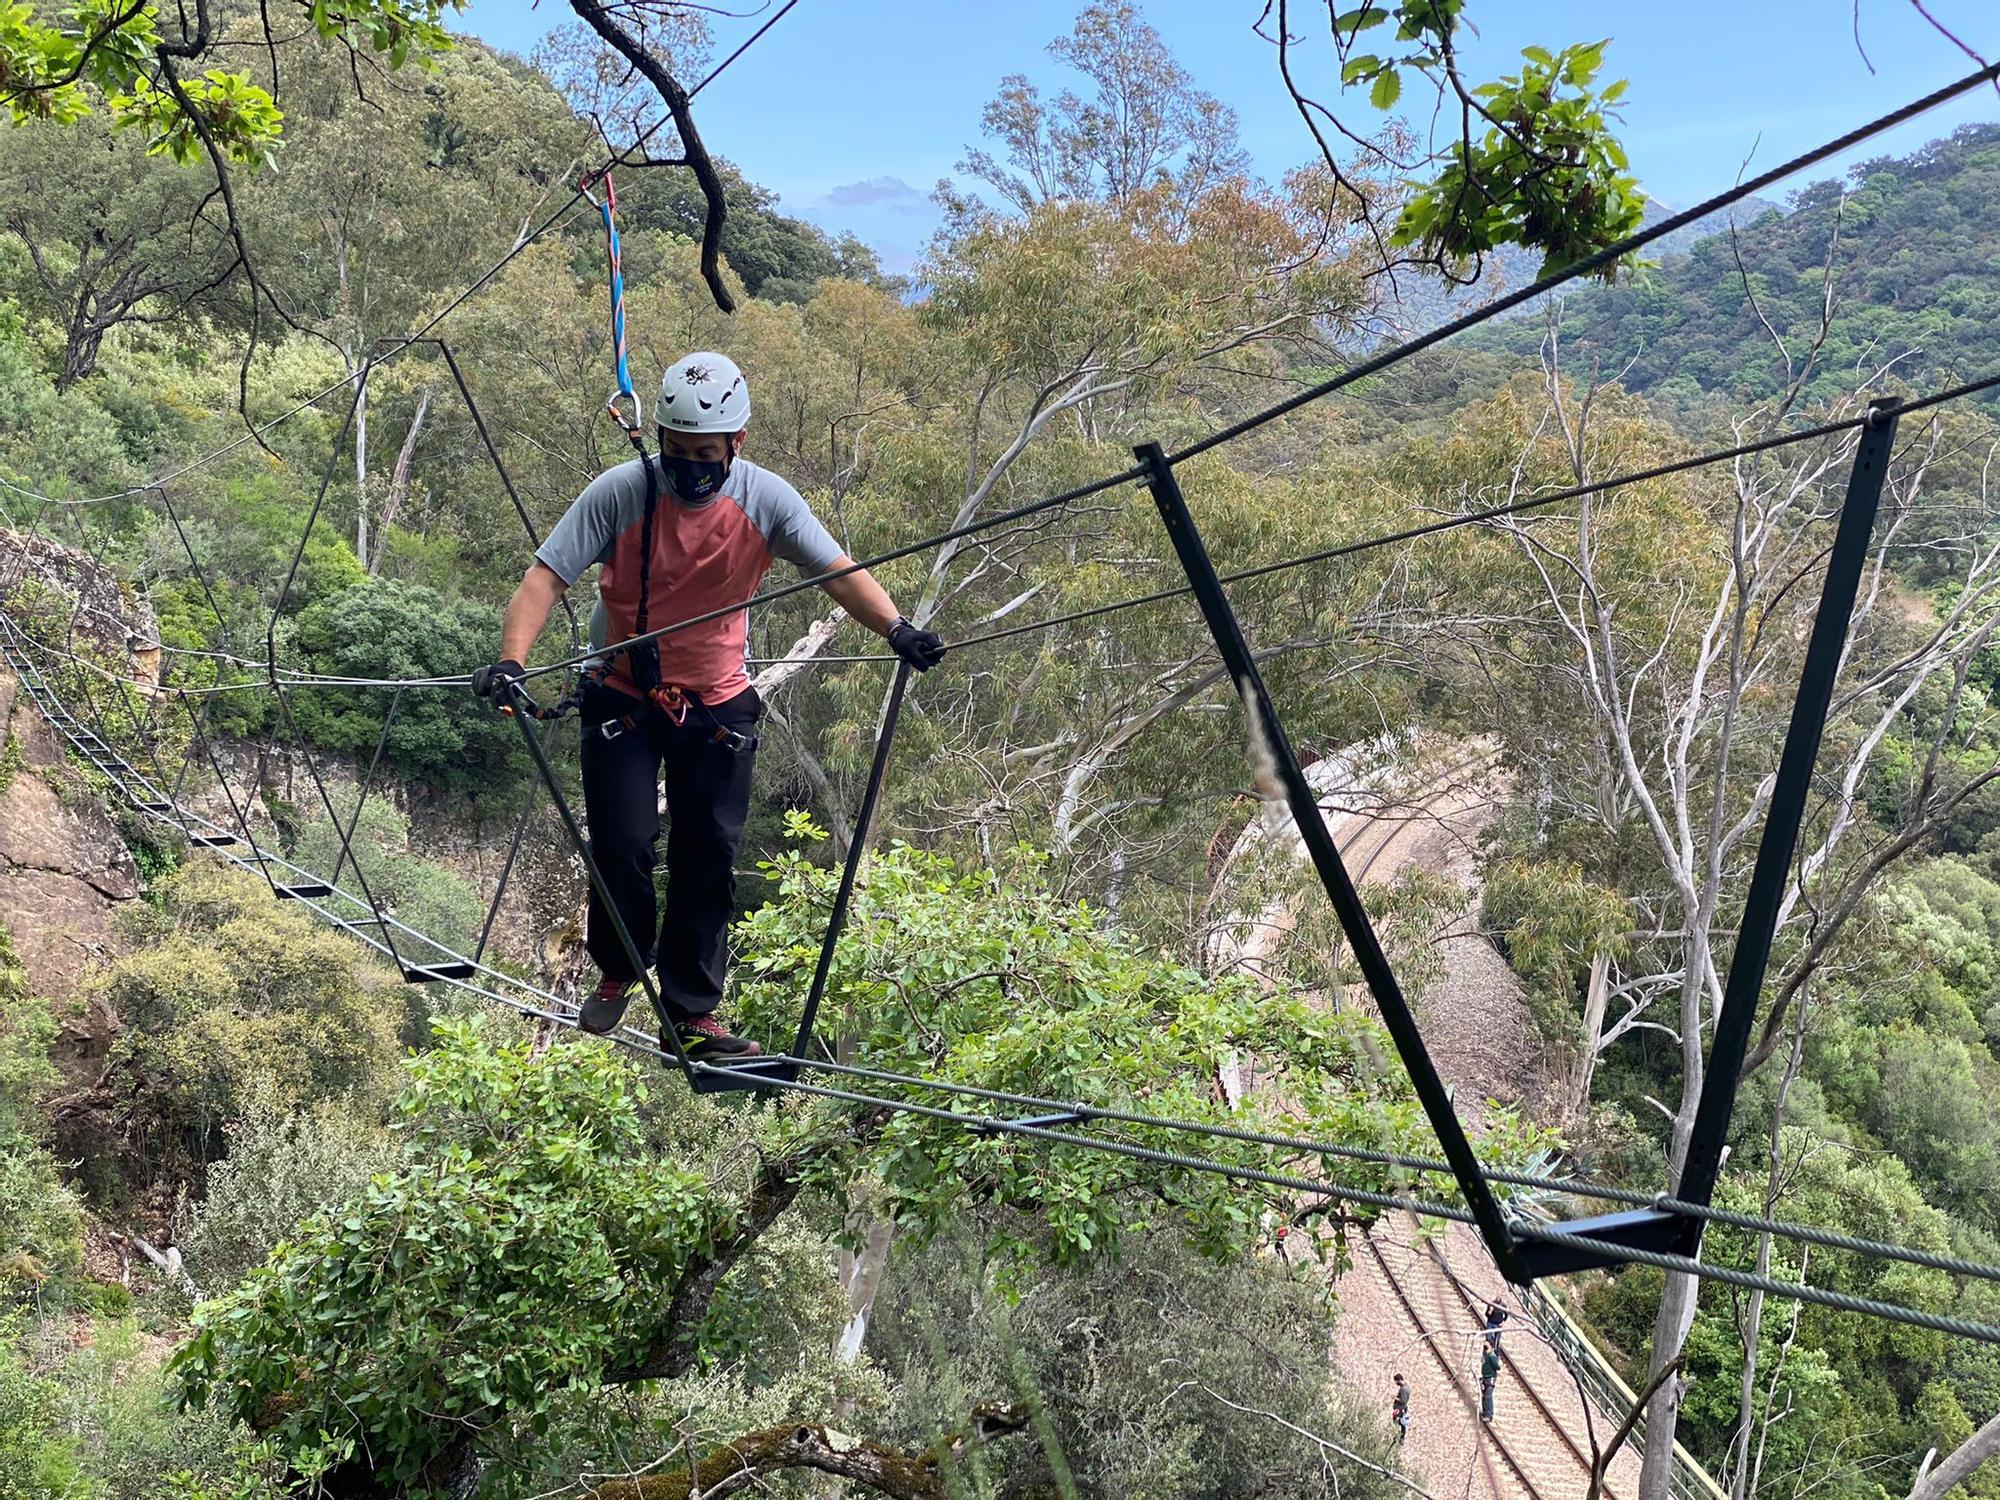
x=694 y=481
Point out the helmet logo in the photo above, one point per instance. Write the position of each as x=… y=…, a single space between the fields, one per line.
x=697 y=375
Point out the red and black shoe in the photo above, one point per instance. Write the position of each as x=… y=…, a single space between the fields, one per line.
x=601 y=1013
x=705 y=1039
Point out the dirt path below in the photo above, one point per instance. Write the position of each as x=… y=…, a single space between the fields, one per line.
x=1413 y=1301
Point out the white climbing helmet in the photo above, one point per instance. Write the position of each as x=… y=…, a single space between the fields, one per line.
x=703 y=392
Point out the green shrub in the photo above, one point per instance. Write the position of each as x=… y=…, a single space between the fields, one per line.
x=37 y=1459
x=417 y=892
x=41 y=1232
x=386 y=629
x=229 y=998
x=532 y=1241
x=281 y=1170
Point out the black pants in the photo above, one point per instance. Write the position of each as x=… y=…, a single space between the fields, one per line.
x=708 y=797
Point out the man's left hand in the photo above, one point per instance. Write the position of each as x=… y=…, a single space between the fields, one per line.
x=922 y=649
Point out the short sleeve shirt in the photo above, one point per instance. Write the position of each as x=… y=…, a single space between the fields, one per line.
x=705 y=558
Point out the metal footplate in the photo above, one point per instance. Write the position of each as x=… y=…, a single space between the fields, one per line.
x=753 y=1073
x=436 y=973
x=1655 y=1229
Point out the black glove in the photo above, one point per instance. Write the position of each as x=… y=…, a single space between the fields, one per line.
x=498 y=681
x=922 y=649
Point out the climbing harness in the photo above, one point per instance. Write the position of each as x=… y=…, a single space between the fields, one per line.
x=675 y=703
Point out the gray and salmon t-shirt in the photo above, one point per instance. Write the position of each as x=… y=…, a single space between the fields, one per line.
x=705 y=557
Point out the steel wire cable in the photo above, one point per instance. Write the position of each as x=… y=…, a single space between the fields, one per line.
x=1965 y=1328
x=1494 y=513
x=1810 y=1234
x=1326 y=554
x=1841 y=1301
x=1554 y=1236
x=1566 y=1187
x=1596 y=261
x=1374 y=365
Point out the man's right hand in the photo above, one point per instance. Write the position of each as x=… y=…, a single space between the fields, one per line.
x=498 y=681
x=922 y=649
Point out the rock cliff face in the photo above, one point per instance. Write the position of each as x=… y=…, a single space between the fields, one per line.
x=64 y=870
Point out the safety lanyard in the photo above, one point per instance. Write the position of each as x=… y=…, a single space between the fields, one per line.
x=643 y=658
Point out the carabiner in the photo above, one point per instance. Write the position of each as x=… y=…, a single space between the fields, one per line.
x=635 y=428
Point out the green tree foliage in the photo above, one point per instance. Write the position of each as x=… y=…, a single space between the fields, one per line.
x=543 y=1237
x=781 y=258
x=40 y=1231
x=418 y=892
x=1908 y=240
x=1548 y=173
x=982 y=974
x=1826 y=1372
x=1146 y=125
x=385 y=629
x=104 y=53
x=1911 y=1061
x=1158 y=1373
x=1552 y=922
x=112 y=245
x=82 y=1417
x=59 y=438
x=1536 y=164
x=231 y=1001
x=282 y=1168
x=37 y=1459
x=533 y=1242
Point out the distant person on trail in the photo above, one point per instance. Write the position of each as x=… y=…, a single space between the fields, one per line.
x=1399 y=1409
x=1495 y=1316
x=690 y=531
x=1489 y=1377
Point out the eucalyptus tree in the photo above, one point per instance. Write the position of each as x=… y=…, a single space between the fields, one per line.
x=1637 y=653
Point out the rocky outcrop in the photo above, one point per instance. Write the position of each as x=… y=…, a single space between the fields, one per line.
x=64 y=871
x=41 y=573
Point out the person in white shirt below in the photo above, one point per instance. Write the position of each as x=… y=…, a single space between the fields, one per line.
x=693 y=530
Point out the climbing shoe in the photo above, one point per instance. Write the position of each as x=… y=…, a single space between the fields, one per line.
x=706 y=1039
x=602 y=1012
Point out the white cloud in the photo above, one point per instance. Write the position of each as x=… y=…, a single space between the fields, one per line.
x=890 y=193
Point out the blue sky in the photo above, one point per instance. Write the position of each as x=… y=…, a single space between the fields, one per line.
x=851 y=110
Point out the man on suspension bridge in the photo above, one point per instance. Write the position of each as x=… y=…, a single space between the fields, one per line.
x=680 y=705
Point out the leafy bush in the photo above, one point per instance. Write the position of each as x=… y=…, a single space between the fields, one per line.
x=1158 y=1374
x=40 y=1229
x=281 y=1170
x=82 y=1417
x=532 y=1240
x=37 y=1459
x=418 y=892
x=983 y=975
x=382 y=628
x=230 y=998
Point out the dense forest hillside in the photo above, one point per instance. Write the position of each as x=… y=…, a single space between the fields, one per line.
x=1910 y=243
